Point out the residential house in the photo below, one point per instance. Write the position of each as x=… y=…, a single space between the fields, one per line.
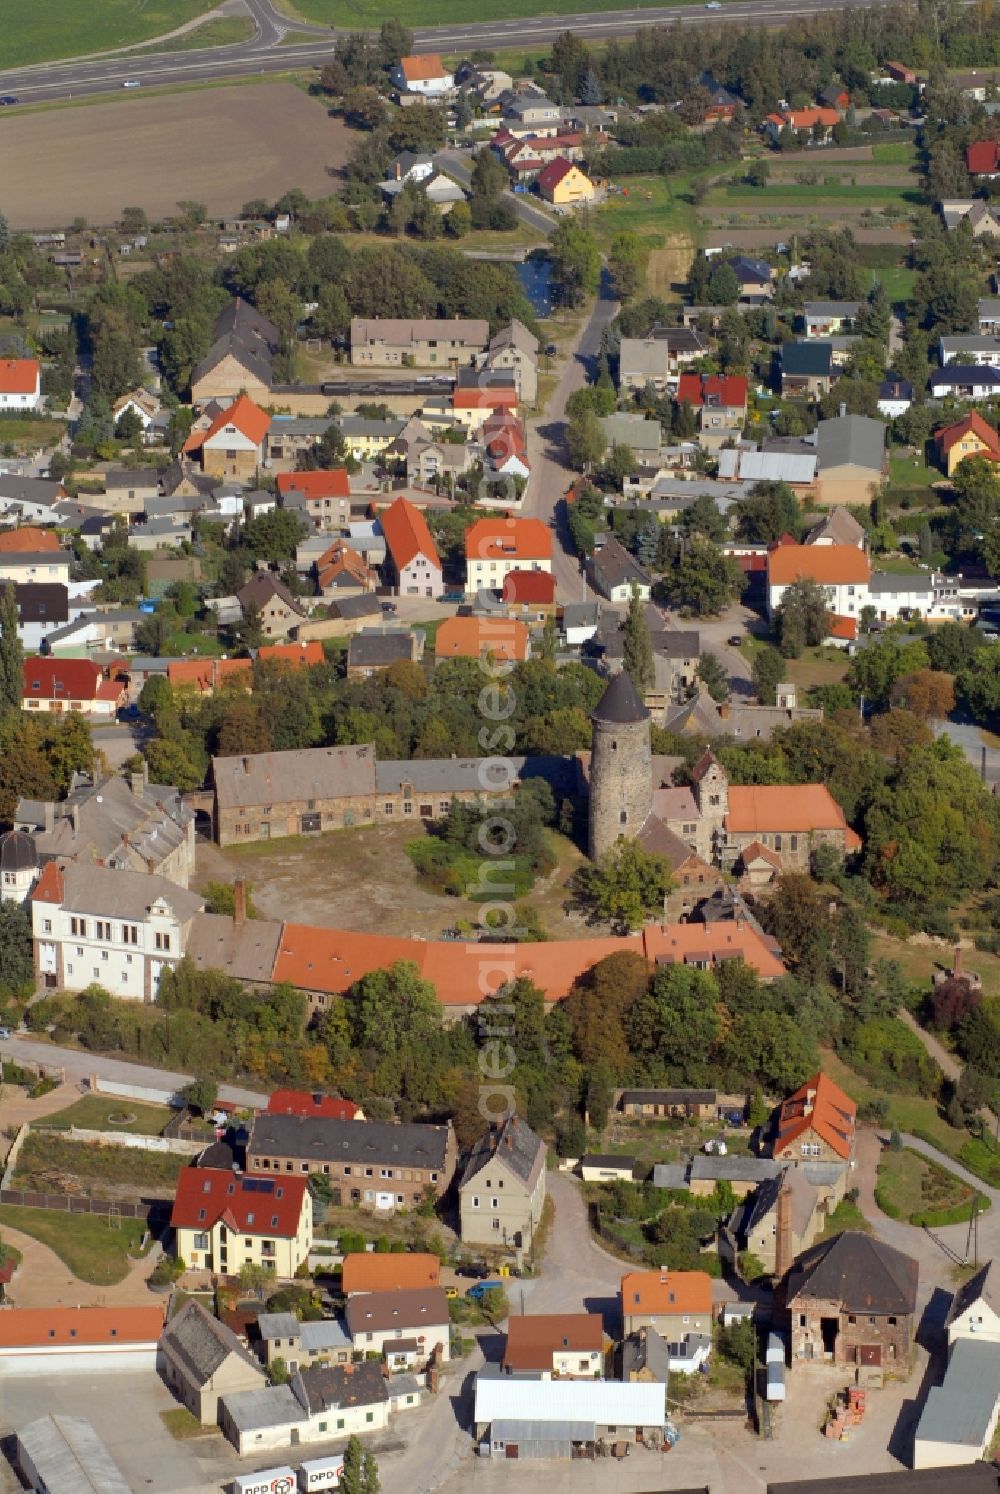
x=634 y=433
x=806 y=368
x=439 y=189
x=373 y=651
x=838 y=527
x=825 y=317
x=982 y=158
x=300 y=1344
x=975 y=1308
x=515 y=348
x=366 y=439
x=678 y=1304
x=223 y=1221
x=721 y=403
x=413 y=566
x=555 y=1346
x=326 y=495
x=852 y=459
x=318 y=1404
x=375 y=1163
x=961 y=381
x=42 y=607
x=895 y=396
x=411 y=167
x=409 y=1327
x=502 y=1187
x=979 y=348
x=60 y=686
x=140 y=403
x=818 y=122
x=927 y=593
x=721 y=105
x=670 y=1104
x=755 y=278
x=616 y=574
x=18 y=868
x=268 y=599
x=477 y=396
x=70 y=1340
x=563 y=183
x=203 y=1360
x=132 y=487
x=988 y=314
x=497 y=637
x=91 y=924
x=780 y=1220
x=421 y=342
x=48 y=564
x=423 y=74
x=240 y=359
x=495 y=547
x=742 y=1172
x=505 y=448
x=842 y=570
x=982 y=218
x=235 y=444
x=899 y=73
x=563 y=1419
x=530 y=595
x=579 y=622
x=851 y=1301
x=301 y=1102
x=372 y=1271
x=654 y=360
x=972 y=436
x=127 y=824
x=341 y=572
x=20 y=384
x=160 y=534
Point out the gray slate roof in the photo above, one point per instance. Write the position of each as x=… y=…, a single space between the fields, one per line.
x=734 y=1169
x=613 y=566
x=812 y=359
x=115 y=825
x=241 y=331
x=620 y=703
x=373 y=649
x=279 y=777
x=854 y=440
x=257 y=1410
x=99 y=890
x=202 y=1343
x=247 y=951
x=984 y=1286
x=515 y=1144
x=331 y=1387
x=68 y=1454
x=373 y=1142
x=860 y=1272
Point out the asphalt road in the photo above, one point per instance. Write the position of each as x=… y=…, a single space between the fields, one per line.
x=79 y=1066
x=263 y=54
x=456 y=164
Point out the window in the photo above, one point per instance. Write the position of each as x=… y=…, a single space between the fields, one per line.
x=475 y=1203
x=369 y=1416
x=163 y=942
x=340 y=1424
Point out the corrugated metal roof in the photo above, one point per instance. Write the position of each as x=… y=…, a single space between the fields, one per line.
x=774 y=466
x=68 y=1454
x=607 y=1402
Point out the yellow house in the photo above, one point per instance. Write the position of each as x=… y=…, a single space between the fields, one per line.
x=971 y=436
x=563 y=183
x=224 y=1221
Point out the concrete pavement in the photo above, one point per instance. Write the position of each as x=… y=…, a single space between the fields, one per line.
x=79 y=1066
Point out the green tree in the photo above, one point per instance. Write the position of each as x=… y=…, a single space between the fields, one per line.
x=201 y=1094
x=360 y=1475
x=626 y=261
x=11 y=654
x=638 y=645
x=489 y=176
x=802 y=619
x=16 y=962
x=713 y=676
x=703 y=582
x=978 y=683
x=585 y=441
x=625 y=886
x=576 y=263
x=675 y=1025
x=767 y=513
x=767 y=673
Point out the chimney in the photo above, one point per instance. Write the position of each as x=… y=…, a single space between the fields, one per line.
x=783 y=1253
x=240 y=901
x=49 y=817
x=493 y=1141
x=139 y=779
x=956 y=969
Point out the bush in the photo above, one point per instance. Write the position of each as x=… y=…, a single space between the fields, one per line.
x=938 y=1218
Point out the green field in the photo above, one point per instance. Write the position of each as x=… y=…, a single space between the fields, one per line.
x=224 y=31
x=352 y=14
x=85 y=1243
x=39 y=30
x=661 y=212
x=909 y=1185
x=25 y=432
x=897 y=280
x=895 y=153
x=777 y=193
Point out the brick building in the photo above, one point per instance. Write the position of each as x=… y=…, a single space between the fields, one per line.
x=376 y=1163
x=292 y=793
x=852 y=1302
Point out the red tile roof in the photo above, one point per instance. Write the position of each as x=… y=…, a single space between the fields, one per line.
x=476 y=637
x=29 y=540
x=820 y=1106
x=422 y=68
x=696 y=389
x=298 y=655
x=251 y=421
x=830 y=565
x=51 y=1327
x=67 y=679
x=533 y=1339
x=332 y=483
x=487 y=397
x=301 y=1102
x=666 y=1293
x=508 y=539
x=529 y=586
x=972 y=424
x=843 y=627
x=804 y=119
x=407 y=535
x=982 y=156
x=50 y=887
x=555 y=172
x=795 y=808
x=18 y=375
x=248 y=1205
x=399 y=1271
x=207 y=675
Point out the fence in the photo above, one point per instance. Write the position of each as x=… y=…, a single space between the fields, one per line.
x=152 y=1096
x=128 y=1139
x=614 y=1237
x=13 y=1154
x=65 y=1203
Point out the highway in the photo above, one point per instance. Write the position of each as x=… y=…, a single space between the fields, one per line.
x=264 y=54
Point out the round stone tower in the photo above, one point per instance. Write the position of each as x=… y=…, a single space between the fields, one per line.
x=621 y=773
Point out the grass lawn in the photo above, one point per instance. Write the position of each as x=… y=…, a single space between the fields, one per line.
x=29 y=431
x=46 y=1159
x=911 y=472
x=900 y=565
x=920 y=962
x=817 y=666
x=189 y=644
x=85 y=1243
x=224 y=31
x=897 y=279
x=846 y=1215
x=910 y=1113
x=883 y=194
x=360 y=14
x=38 y=30
x=895 y=153
x=181 y=1424
x=94 y=1113
x=909 y=1184
x=661 y=212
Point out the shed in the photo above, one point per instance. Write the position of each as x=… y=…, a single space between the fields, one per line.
x=64 y=1453
x=539 y=1439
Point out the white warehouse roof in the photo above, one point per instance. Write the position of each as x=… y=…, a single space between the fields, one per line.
x=605 y=1402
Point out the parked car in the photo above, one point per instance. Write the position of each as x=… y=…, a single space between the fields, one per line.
x=7 y=100
x=735 y=639
x=478 y=1292
x=470 y=1268
x=5 y=1032
x=451 y=1293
